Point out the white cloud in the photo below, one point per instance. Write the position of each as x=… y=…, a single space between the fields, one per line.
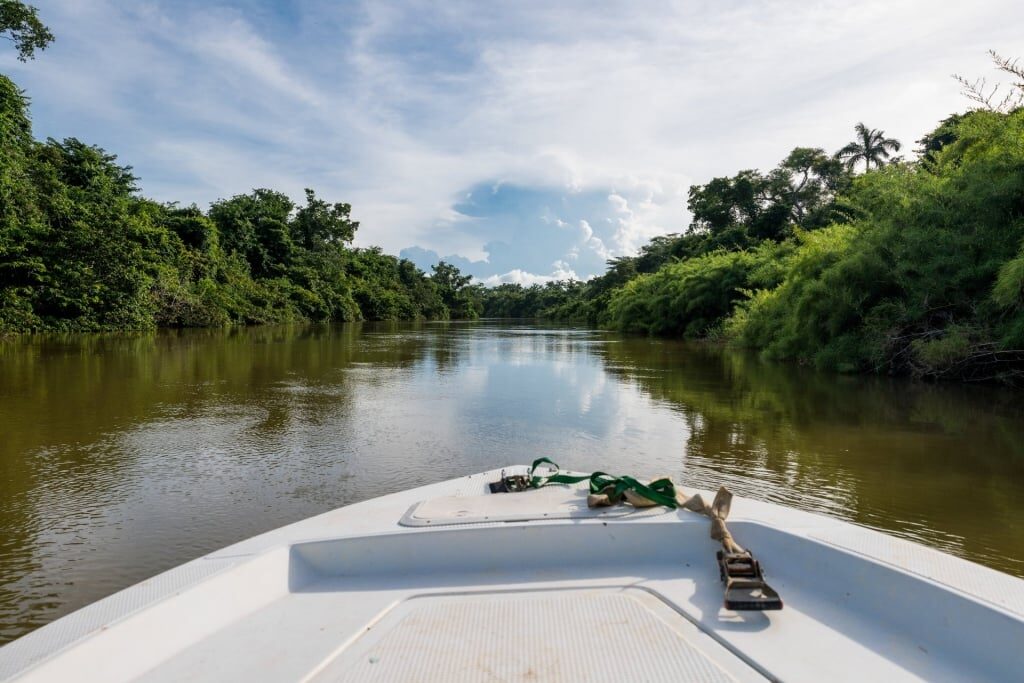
x=232 y=44
x=593 y=242
x=634 y=227
x=560 y=270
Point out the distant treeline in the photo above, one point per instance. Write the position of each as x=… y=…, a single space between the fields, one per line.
x=910 y=267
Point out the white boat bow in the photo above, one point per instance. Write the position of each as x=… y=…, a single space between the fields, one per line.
x=450 y=582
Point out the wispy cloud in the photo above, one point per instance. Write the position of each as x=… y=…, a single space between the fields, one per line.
x=231 y=48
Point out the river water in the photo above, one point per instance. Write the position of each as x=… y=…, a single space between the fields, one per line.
x=122 y=456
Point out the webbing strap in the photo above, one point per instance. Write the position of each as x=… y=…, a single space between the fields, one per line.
x=659 y=492
x=554 y=475
x=745 y=585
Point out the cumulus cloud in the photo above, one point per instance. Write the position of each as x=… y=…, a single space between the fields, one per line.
x=495 y=136
x=634 y=225
x=560 y=270
x=591 y=241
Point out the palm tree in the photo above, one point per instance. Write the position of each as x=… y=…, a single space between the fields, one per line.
x=871 y=147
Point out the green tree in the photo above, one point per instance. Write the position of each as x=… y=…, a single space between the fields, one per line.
x=422 y=290
x=449 y=278
x=925 y=281
x=319 y=224
x=378 y=287
x=192 y=227
x=944 y=134
x=99 y=242
x=462 y=299
x=738 y=211
x=808 y=181
x=21 y=226
x=20 y=24
x=80 y=249
x=256 y=225
x=870 y=147
x=691 y=298
x=724 y=202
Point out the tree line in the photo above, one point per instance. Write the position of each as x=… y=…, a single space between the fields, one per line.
x=82 y=250
x=856 y=261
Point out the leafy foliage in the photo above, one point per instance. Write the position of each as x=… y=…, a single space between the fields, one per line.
x=753 y=206
x=463 y=300
x=925 y=281
x=81 y=250
x=516 y=301
x=913 y=267
x=689 y=298
x=21 y=25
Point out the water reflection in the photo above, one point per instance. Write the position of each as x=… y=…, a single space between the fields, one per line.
x=122 y=456
x=940 y=464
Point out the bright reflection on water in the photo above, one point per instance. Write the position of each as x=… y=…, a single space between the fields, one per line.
x=124 y=456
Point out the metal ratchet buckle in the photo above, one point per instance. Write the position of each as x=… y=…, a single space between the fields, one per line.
x=745 y=588
x=510 y=484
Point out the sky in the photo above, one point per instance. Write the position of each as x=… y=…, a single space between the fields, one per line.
x=523 y=141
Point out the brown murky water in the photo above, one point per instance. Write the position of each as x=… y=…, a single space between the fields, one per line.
x=122 y=456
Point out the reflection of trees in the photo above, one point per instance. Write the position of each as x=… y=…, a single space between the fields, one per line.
x=76 y=412
x=448 y=344
x=888 y=453
x=60 y=390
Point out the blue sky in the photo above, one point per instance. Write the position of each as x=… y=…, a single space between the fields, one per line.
x=524 y=140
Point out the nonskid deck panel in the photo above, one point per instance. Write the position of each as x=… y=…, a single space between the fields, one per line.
x=610 y=634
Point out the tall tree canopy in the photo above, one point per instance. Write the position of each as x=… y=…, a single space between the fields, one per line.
x=461 y=298
x=754 y=205
x=870 y=147
x=20 y=24
x=255 y=225
x=319 y=223
x=82 y=250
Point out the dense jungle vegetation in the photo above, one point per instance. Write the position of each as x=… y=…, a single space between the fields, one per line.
x=855 y=261
x=82 y=250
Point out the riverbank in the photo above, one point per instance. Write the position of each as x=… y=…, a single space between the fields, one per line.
x=912 y=268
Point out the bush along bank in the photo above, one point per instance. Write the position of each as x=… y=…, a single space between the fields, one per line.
x=856 y=261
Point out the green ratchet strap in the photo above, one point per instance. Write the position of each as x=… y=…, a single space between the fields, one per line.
x=659 y=492
x=554 y=476
x=745 y=587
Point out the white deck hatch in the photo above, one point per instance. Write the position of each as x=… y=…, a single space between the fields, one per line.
x=552 y=502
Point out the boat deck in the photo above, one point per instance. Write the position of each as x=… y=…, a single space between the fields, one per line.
x=469 y=588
